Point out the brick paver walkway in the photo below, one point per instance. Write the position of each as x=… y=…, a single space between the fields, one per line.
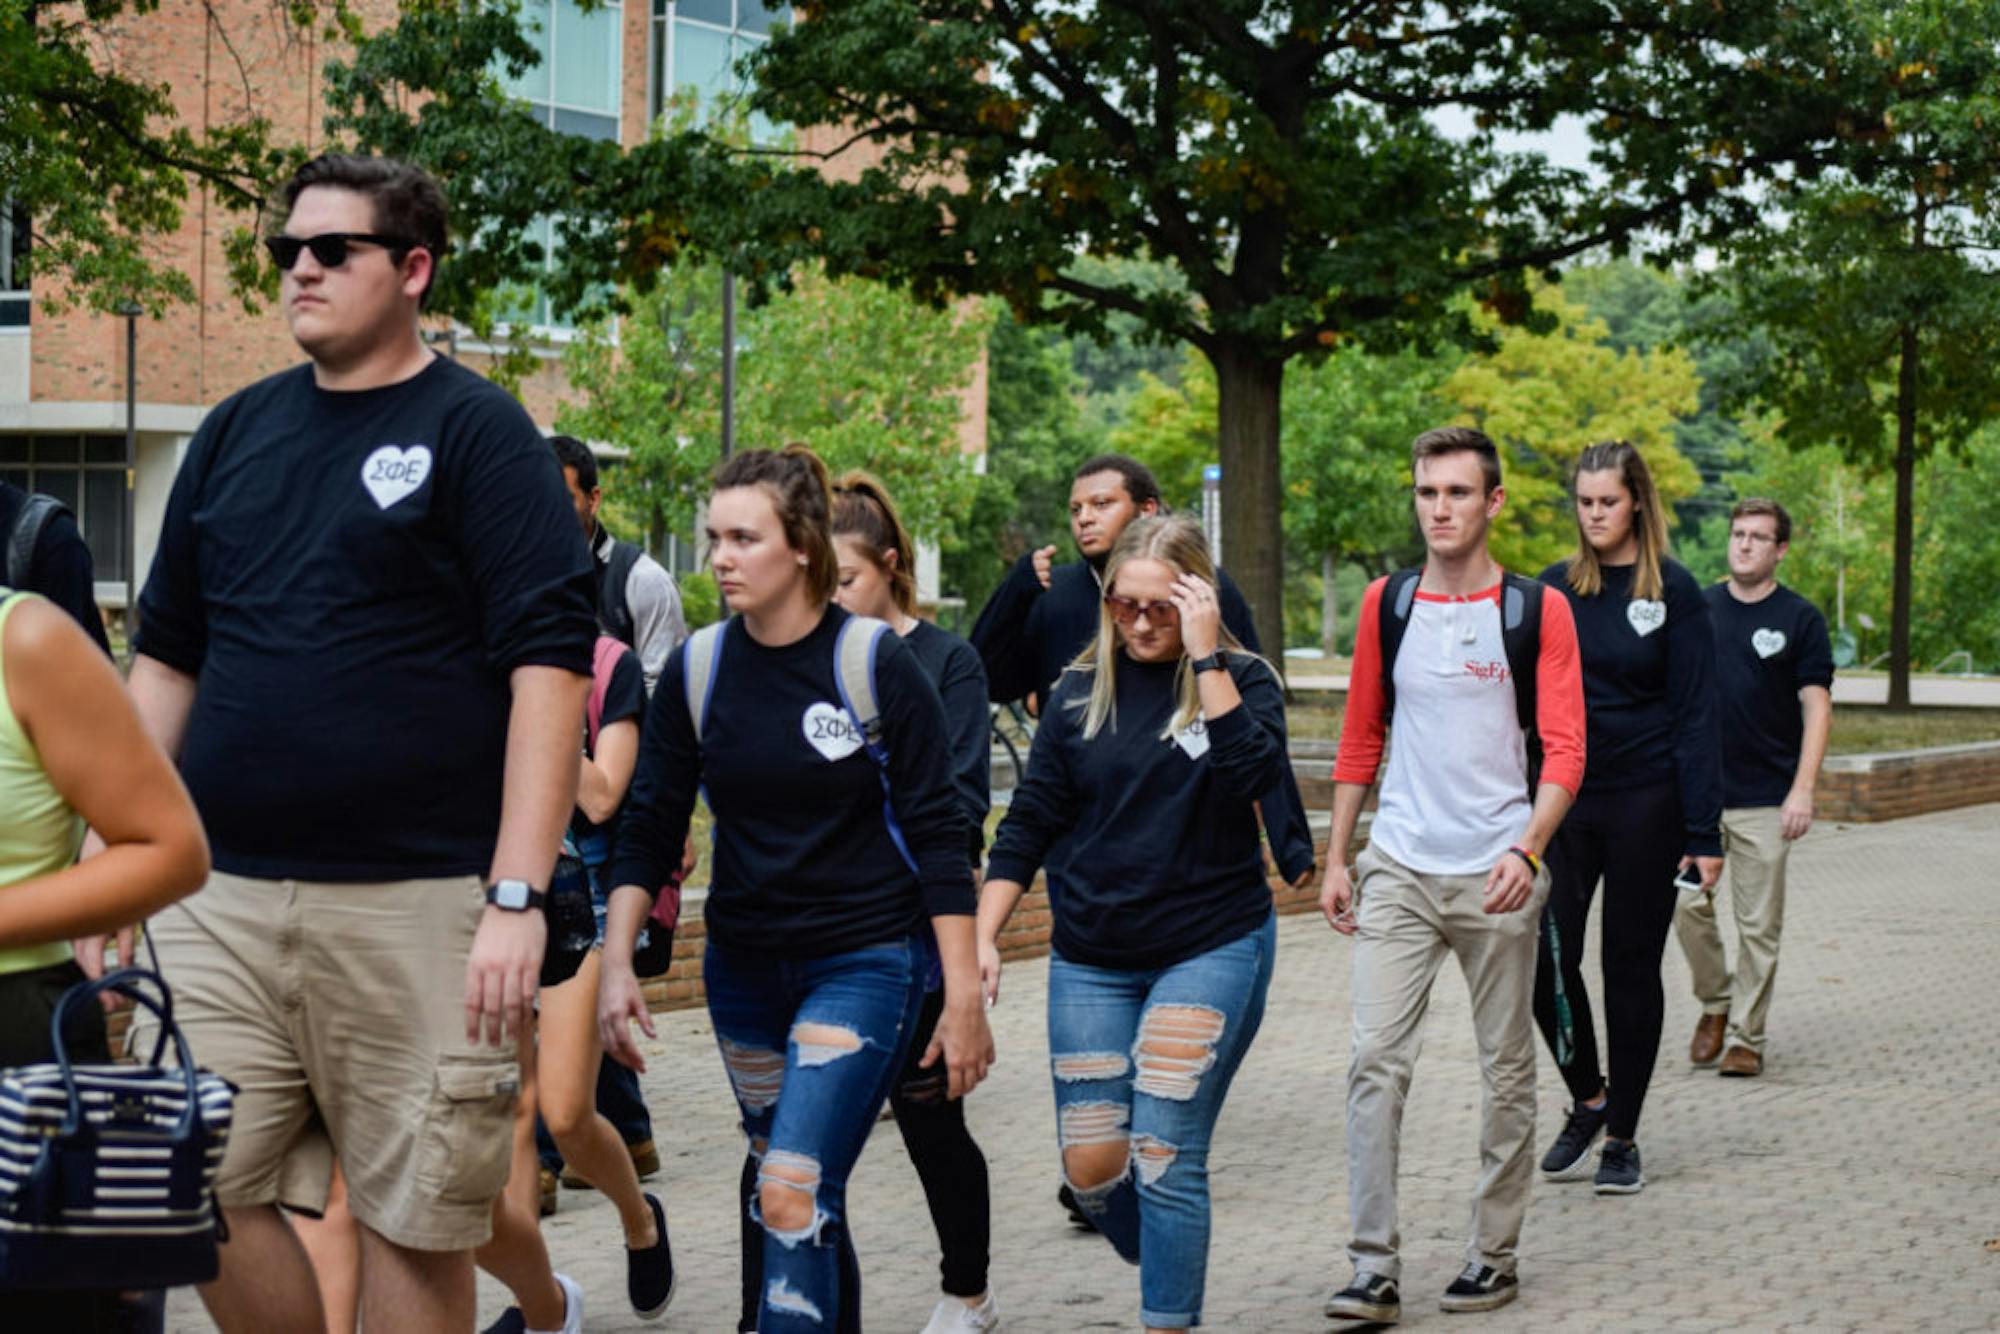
x=1852 y=1186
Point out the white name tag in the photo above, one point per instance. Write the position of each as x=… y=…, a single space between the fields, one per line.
x=1193 y=738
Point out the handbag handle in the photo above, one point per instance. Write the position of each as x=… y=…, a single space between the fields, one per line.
x=126 y=982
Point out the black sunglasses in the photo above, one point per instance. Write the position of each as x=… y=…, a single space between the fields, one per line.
x=330 y=248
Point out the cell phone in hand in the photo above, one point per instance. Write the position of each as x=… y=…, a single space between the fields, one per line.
x=1689 y=880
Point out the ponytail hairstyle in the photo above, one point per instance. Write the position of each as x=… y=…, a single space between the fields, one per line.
x=862 y=509
x=796 y=481
x=1649 y=522
x=1178 y=543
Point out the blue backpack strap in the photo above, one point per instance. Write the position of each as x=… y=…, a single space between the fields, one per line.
x=855 y=650
x=699 y=660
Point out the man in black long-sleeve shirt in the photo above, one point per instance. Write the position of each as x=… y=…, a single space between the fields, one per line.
x=1042 y=616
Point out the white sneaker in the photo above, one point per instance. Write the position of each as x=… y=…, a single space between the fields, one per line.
x=572 y=1307
x=953 y=1315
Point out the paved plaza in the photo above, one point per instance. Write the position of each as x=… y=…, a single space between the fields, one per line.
x=1854 y=1186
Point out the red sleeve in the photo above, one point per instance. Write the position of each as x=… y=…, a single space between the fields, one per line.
x=1559 y=694
x=1360 y=753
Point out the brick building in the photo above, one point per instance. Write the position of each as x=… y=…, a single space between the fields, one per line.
x=63 y=377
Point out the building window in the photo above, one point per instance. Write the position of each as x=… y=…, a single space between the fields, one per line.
x=696 y=44
x=84 y=472
x=13 y=250
x=575 y=90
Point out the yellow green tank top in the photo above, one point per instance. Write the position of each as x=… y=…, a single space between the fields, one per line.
x=39 y=833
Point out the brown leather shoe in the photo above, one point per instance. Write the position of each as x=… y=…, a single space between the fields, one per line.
x=548 y=1184
x=1741 y=1062
x=1707 y=1044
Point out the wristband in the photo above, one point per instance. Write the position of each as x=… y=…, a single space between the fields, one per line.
x=1534 y=862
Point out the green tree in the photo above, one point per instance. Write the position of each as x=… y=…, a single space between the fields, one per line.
x=100 y=162
x=1348 y=426
x=1281 y=155
x=1544 y=396
x=1872 y=282
x=847 y=366
x=1035 y=436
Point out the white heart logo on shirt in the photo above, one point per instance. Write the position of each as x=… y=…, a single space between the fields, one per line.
x=1646 y=615
x=1193 y=738
x=1768 y=643
x=829 y=731
x=391 y=473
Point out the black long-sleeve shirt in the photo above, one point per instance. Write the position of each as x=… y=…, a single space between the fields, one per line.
x=1027 y=635
x=961 y=683
x=1649 y=693
x=1150 y=842
x=351 y=577
x=803 y=864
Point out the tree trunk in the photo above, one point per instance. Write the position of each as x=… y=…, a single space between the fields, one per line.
x=1906 y=467
x=1248 y=388
x=1329 y=607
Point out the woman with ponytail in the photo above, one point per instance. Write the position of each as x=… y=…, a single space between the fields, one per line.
x=839 y=874
x=878 y=579
x=1141 y=801
x=1650 y=804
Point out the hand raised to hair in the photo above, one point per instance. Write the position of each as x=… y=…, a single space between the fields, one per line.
x=1201 y=615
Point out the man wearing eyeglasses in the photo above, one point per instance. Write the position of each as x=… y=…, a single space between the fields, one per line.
x=1774 y=678
x=367 y=637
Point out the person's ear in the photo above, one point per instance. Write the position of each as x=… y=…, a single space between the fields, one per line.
x=890 y=559
x=1150 y=507
x=1496 y=500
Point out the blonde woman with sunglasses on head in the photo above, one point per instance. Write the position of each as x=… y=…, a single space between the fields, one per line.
x=1141 y=801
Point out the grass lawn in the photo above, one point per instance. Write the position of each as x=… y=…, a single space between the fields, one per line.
x=1858 y=729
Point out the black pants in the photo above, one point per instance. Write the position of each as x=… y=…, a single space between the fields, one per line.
x=27 y=1004
x=1631 y=840
x=948 y=1162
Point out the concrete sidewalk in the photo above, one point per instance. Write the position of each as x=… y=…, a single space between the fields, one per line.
x=1853 y=1186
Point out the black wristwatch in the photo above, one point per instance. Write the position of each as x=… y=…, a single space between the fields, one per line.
x=1212 y=663
x=515 y=896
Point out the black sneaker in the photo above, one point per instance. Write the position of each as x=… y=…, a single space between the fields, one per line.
x=1618 y=1169
x=649 y=1274
x=1480 y=1288
x=1568 y=1159
x=511 y=1321
x=1077 y=1217
x=1369 y=1297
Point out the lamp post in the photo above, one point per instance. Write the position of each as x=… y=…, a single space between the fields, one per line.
x=130 y=310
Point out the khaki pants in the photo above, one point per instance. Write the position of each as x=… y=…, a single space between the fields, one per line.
x=1755 y=853
x=1408 y=923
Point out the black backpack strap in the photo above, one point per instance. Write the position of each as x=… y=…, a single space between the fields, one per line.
x=1392 y=618
x=35 y=515
x=615 y=612
x=1521 y=632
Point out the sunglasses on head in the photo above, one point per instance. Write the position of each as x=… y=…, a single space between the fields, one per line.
x=329 y=249
x=1125 y=611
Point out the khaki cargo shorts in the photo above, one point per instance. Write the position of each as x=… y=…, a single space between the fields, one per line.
x=338 y=1010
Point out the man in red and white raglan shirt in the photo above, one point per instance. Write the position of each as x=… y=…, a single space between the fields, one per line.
x=1483 y=673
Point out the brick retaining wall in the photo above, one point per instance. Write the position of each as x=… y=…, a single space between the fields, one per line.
x=1862 y=789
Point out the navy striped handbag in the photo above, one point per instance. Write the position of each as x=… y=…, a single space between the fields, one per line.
x=107 y=1172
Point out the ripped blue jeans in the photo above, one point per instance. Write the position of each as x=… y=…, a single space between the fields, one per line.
x=811 y=1047
x=1142 y=1060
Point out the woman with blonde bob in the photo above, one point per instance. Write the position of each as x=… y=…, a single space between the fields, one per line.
x=1650 y=803
x=1141 y=801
